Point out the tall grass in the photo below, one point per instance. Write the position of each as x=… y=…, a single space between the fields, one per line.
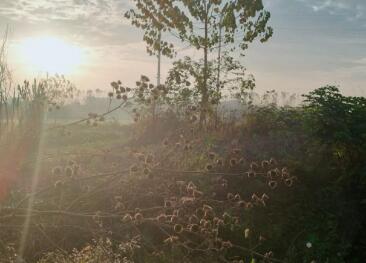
x=22 y=107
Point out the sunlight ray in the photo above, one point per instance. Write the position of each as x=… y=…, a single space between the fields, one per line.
x=34 y=184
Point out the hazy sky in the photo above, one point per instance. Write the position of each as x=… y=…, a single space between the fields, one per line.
x=315 y=42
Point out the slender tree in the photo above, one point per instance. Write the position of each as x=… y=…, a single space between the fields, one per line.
x=235 y=23
x=156 y=18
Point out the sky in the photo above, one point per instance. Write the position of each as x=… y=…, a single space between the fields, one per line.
x=315 y=43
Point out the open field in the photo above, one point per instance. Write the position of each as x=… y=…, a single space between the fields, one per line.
x=259 y=188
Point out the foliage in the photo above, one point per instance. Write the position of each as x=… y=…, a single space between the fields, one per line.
x=206 y=25
x=185 y=81
x=155 y=18
x=193 y=196
x=337 y=121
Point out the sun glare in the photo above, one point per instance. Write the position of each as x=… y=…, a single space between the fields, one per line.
x=51 y=55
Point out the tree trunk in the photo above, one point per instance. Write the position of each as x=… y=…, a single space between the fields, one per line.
x=218 y=74
x=158 y=80
x=204 y=95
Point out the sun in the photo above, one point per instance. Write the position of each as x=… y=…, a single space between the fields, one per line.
x=51 y=55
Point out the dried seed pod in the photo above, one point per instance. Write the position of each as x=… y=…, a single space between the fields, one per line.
x=167 y=204
x=249 y=205
x=227 y=244
x=171 y=240
x=289 y=182
x=197 y=194
x=161 y=218
x=56 y=171
x=230 y=196
x=138 y=218
x=255 y=198
x=272 y=184
x=179 y=213
x=233 y=162
x=174 y=219
x=269 y=175
x=227 y=218
x=207 y=208
x=178 y=228
x=273 y=161
x=58 y=184
x=149 y=159
x=265 y=164
x=242 y=204
x=191 y=185
x=133 y=169
x=251 y=174
x=211 y=155
x=127 y=218
x=285 y=173
x=119 y=206
x=209 y=167
x=147 y=171
x=268 y=254
x=254 y=166
x=194 y=228
x=236 y=220
x=219 y=162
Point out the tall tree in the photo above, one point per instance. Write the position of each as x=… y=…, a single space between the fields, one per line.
x=223 y=21
x=212 y=24
x=156 y=18
x=207 y=25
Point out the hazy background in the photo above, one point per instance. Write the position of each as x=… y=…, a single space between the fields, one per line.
x=316 y=42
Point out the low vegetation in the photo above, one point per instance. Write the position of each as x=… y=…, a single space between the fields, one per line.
x=273 y=184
